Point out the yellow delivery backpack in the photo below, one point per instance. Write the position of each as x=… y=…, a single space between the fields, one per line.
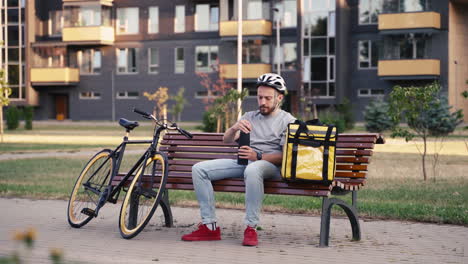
x=309 y=152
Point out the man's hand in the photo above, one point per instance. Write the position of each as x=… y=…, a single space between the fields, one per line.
x=246 y=152
x=242 y=125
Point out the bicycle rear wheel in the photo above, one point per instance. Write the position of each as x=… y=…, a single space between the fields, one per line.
x=93 y=180
x=143 y=196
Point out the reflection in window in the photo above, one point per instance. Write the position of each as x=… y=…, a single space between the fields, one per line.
x=255 y=51
x=55 y=23
x=90 y=95
x=368 y=54
x=287 y=13
x=369 y=11
x=127 y=60
x=371 y=92
x=179 y=60
x=83 y=16
x=153 y=19
x=407 y=46
x=127 y=95
x=206 y=58
x=127 y=20
x=179 y=19
x=206 y=17
x=89 y=61
x=153 y=57
x=288 y=56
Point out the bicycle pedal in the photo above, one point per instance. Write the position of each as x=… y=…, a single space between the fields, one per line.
x=89 y=212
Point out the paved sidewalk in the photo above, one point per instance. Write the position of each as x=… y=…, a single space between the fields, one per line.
x=284 y=239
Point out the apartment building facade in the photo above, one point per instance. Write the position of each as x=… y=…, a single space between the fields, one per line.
x=94 y=59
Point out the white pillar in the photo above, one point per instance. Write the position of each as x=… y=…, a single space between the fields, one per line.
x=239 y=57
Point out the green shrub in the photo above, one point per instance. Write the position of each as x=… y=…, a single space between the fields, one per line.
x=377 y=117
x=209 y=122
x=346 y=111
x=28 y=117
x=12 y=117
x=332 y=117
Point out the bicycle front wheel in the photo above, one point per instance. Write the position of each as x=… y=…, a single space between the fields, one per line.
x=143 y=196
x=93 y=179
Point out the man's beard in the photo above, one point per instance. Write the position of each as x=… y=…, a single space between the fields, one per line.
x=264 y=110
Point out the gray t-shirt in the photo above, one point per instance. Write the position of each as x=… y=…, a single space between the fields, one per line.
x=268 y=132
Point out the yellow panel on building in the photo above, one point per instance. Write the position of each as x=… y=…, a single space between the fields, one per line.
x=88 y=35
x=249 y=28
x=409 y=20
x=430 y=67
x=50 y=76
x=249 y=71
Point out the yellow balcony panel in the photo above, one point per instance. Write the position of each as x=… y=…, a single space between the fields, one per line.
x=55 y=76
x=417 y=68
x=249 y=71
x=87 y=2
x=88 y=35
x=249 y=28
x=416 y=20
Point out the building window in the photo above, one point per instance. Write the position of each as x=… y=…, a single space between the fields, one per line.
x=89 y=61
x=206 y=58
x=288 y=56
x=179 y=60
x=127 y=60
x=206 y=17
x=153 y=20
x=153 y=60
x=179 y=19
x=368 y=54
x=407 y=46
x=55 y=23
x=255 y=51
x=90 y=95
x=127 y=20
x=319 y=48
x=369 y=11
x=287 y=12
x=204 y=95
x=371 y=92
x=128 y=95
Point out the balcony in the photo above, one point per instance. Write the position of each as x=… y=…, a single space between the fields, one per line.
x=249 y=71
x=89 y=35
x=54 y=76
x=409 y=69
x=409 y=22
x=249 y=28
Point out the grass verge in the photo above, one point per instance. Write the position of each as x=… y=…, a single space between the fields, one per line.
x=391 y=193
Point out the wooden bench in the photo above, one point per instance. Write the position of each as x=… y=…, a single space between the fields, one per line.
x=352 y=159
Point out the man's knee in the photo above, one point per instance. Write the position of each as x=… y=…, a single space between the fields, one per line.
x=253 y=172
x=198 y=171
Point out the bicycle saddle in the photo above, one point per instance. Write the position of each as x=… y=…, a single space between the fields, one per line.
x=129 y=125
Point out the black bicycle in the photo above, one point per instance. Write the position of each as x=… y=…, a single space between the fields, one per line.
x=148 y=177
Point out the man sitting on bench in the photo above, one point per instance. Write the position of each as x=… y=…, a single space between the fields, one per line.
x=267 y=128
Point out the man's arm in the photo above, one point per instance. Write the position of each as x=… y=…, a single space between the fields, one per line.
x=233 y=132
x=246 y=152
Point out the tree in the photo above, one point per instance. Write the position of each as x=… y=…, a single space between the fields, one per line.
x=425 y=112
x=376 y=116
x=5 y=92
x=160 y=97
x=179 y=103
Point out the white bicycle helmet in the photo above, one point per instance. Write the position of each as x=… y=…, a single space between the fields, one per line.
x=272 y=80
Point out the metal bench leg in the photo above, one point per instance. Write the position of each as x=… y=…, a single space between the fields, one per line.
x=166 y=207
x=327 y=204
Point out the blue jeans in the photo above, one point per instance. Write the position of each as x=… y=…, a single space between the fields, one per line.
x=254 y=173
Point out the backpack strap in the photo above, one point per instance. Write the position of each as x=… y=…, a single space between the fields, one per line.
x=326 y=154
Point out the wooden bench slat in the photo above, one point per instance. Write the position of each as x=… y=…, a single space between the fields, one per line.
x=199 y=149
x=352 y=159
x=197 y=143
x=200 y=156
x=338 y=167
x=355 y=145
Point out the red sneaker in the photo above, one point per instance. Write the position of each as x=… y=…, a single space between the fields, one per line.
x=250 y=237
x=203 y=233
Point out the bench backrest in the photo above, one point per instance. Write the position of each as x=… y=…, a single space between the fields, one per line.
x=353 y=155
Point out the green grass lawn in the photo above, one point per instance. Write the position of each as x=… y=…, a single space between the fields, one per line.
x=392 y=197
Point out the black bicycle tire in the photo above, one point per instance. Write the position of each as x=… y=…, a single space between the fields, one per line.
x=78 y=181
x=128 y=234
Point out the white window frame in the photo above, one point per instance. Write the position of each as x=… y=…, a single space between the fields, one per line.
x=80 y=60
x=369 y=93
x=149 y=61
x=50 y=22
x=175 y=60
x=126 y=56
x=370 y=10
x=93 y=95
x=157 y=19
x=180 y=23
x=125 y=26
x=369 y=59
x=126 y=95
x=210 y=66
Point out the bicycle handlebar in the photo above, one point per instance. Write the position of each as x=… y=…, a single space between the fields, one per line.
x=183 y=131
x=142 y=113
